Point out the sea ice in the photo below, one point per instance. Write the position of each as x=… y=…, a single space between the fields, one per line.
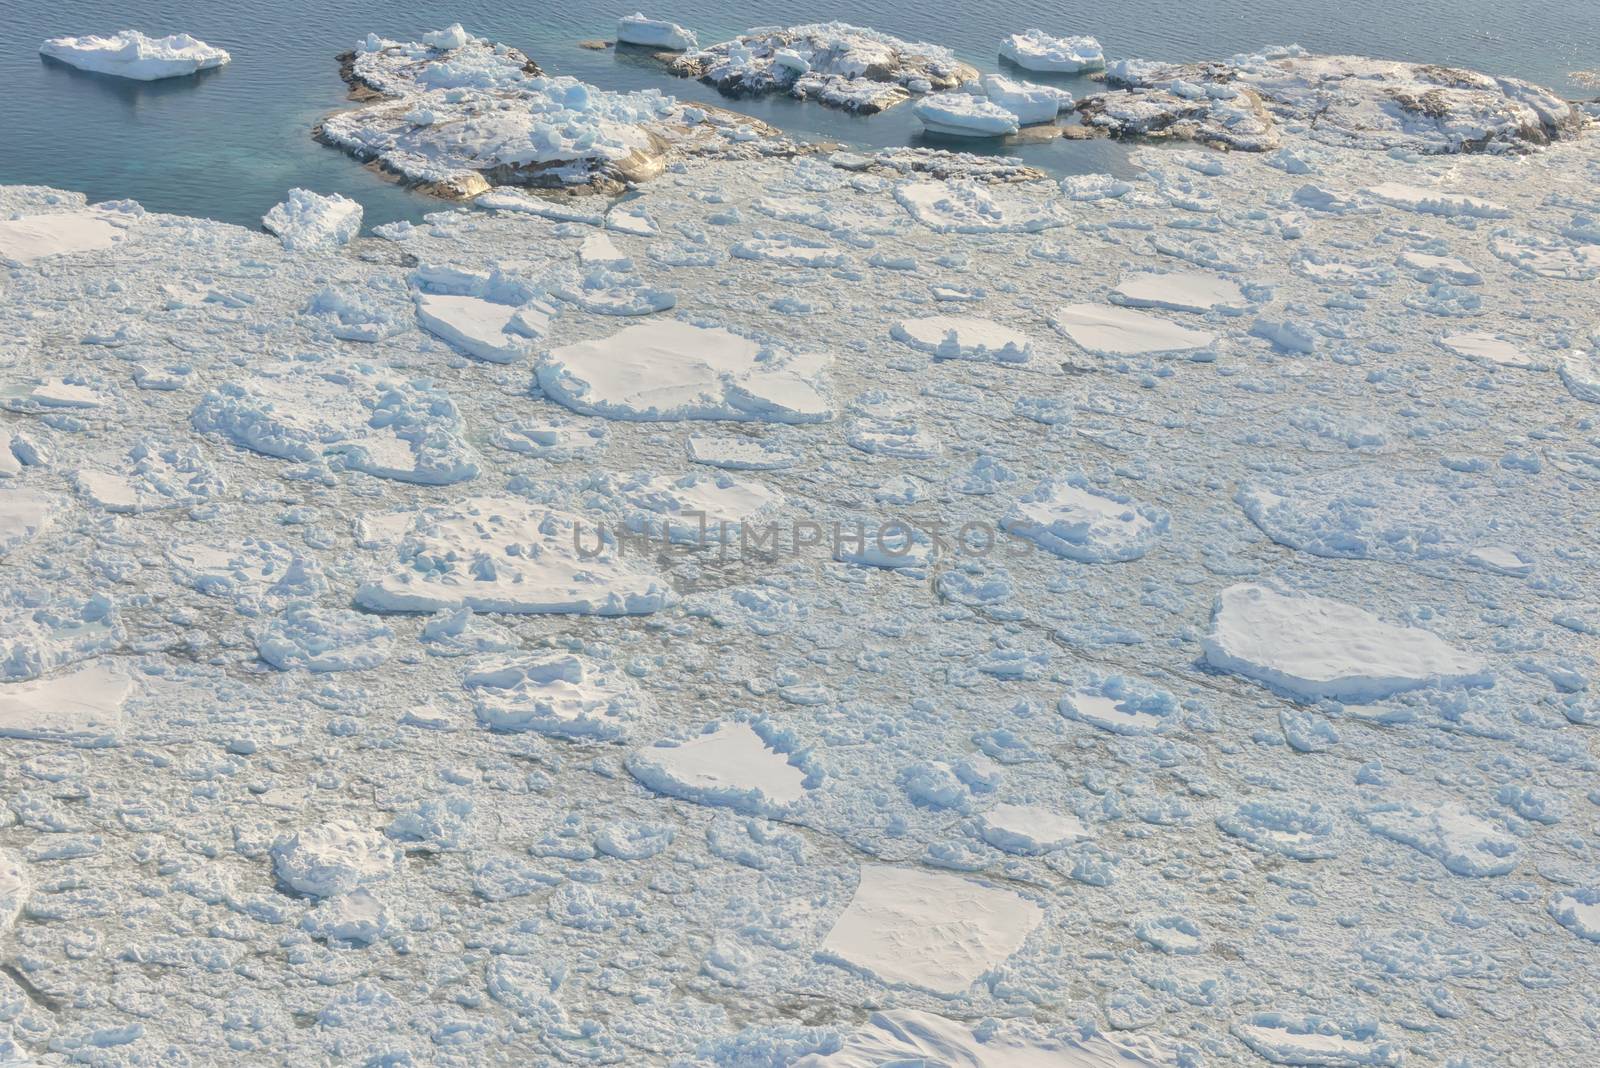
x=912 y=1038
x=964 y=115
x=637 y=29
x=1110 y=331
x=1465 y=843
x=912 y=927
x=669 y=370
x=31 y=238
x=505 y=554
x=1179 y=291
x=1072 y=518
x=130 y=54
x=82 y=706
x=729 y=765
x=324 y=860
x=1030 y=829
x=1030 y=103
x=1038 y=51
x=958 y=337
x=566 y=696
x=310 y=220
x=833 y=63
x=1313 y=647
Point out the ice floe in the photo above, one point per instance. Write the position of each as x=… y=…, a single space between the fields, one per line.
x=566 y=696
x=730 y=765
x=1072 y=518
x=130 y=54
x=907 y=1036
x=670 y=370
x=1110 y=331
x=928 y=929
x=29 y=238
x=639 y=29
x=965 y=115
x=505 y=554
x=1464 y=842
x=1316 y=1040
x=1030 y=829
x=1038 y=51
x=1313 y=647
x=310 y=220
x=1179 y=291
x=958 y=337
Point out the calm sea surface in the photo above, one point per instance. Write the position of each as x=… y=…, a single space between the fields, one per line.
x=228 y=143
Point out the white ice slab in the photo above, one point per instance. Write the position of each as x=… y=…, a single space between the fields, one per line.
x=959 y=337
x=730 y=766
x=1178 y=291
x=940 y=932
x=130 y=54
x=37 y=237
x=1030 y=829
x=1313 y=647
x=1039 y=51
x=1109 y=331
x=82 y=706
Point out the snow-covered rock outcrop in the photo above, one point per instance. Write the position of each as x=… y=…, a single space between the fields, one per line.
x=834 y=63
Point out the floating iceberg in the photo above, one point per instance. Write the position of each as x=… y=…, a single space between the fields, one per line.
x=964 y=115
x=130 y=54
x=636 y=29
x=1038 y=51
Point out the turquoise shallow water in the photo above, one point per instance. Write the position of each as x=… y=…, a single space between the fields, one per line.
x=228 y=143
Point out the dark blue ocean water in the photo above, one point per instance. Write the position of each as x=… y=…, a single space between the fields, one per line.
x=226 y=144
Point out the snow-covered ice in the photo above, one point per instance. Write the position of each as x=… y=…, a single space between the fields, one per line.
x=1313 y=647
x=731 y=765
x=1111 y=331
x=929 y=929
x=965 y=115
x=640 y=29
x=130 y=54
x=310 y=220
x=1038 y=51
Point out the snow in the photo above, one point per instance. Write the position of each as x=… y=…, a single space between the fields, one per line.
x=731 y=765
x=1038 y=51
x=670 y=370
x=964 y=115
x=928 y=929
x=310 y=220
x=35 y=237
x=130 y=54
x=637 y=29
x=1314 y=647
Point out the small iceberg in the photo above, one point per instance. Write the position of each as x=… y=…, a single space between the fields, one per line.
x=637 y=29
x=1037 y=50
x=964 y=115
x=130 y=54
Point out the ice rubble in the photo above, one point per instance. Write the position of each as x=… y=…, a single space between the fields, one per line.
x=833 y=63
x=910 y=1037
x=1038 y=51
x=928 y=929
x=475 y=814
x=310 y=220
x=638 y=29
x=566 y=696
x=130 y=54
x=504 y=554
x=1314 y=647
